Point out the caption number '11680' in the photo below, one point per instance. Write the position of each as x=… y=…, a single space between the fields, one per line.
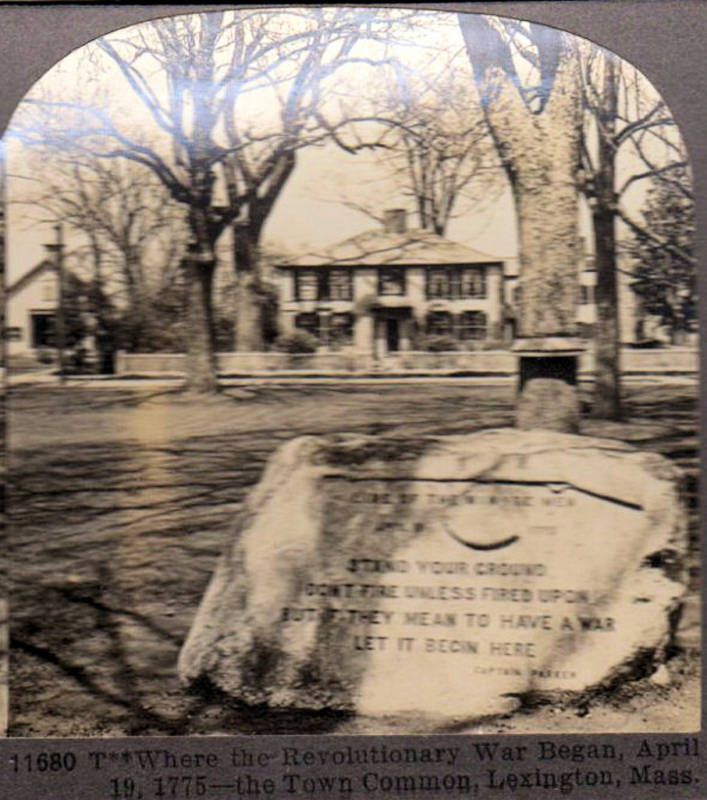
x=43 y=762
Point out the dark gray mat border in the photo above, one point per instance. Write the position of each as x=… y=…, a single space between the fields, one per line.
x=664 y=38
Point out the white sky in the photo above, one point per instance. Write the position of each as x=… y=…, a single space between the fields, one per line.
x=307 y=215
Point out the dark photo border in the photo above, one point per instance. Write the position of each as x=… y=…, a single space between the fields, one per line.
x=665 y=39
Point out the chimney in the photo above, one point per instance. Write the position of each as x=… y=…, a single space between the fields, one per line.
x=394 y=220
x=54 y=252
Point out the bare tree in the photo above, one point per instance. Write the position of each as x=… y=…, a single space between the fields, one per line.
x=308 y=109
x=665 y=282
x=527 y=76
x=200 y=82
x=133 y=234
x=437 y=150
x=623 y=117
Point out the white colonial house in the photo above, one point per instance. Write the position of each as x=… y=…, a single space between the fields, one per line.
x=383 y=290
x=30 y=310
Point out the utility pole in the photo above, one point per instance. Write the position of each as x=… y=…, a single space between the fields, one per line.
x=60 y=327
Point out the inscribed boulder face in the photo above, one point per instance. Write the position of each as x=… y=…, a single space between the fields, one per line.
x=445 y=578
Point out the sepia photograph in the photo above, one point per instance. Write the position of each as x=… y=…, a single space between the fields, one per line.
x=352 y=383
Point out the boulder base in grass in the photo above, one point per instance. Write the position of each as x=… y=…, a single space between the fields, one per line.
x=549 y=404
x=442 y=578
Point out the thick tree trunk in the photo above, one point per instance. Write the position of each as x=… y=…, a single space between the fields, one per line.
x=249 y=307
x=139 y=316
x=250 y=304
x=201 y=362
x=200 y=264
x=539 y=147
x=607 y=386
x=138 y=312
x=249 y=315
x=549 y=253
x=538 y=143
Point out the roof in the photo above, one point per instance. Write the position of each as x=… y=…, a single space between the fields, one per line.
x=511 y=267
x=29 y=276
x=375 y=248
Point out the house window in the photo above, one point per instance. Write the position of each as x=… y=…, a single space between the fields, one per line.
x=308 y=323
x=13 y=334
x=391 y=281
x=42 y=330
x=341 y=329
x=323 y=284
x=439 y=323
x=340 y=285
x=586 y=295
x=438 y=282
x=472 y=325
x=472 y=282
x=451 y=282
x=306 y=284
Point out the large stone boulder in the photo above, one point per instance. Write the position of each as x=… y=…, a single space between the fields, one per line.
x=443 y=578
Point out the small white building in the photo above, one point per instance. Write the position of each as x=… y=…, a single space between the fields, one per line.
x=30 y=309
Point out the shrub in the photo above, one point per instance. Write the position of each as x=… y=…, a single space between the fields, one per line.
x=475 y=345
x=45 y=355
x=297 y=342
x=647 y=344
x=440 y=343
x=224 y=333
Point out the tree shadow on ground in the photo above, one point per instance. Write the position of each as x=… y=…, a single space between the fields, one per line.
x=113 y=541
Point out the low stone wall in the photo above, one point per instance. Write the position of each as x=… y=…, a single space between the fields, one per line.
x=236 y=363
x=244 y=363
x=482 y=362
x=130 y=363
x=492 y=362
x=674 y=360
x=671 y=360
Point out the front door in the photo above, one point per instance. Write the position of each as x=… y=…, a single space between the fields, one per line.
x=392 y=332
x=42 y=330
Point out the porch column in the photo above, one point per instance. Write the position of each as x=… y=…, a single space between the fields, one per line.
x=363 y=335
x=455 y=332
x=379 y=343
x=287 y=323
x=324 y=330
x=405 y=333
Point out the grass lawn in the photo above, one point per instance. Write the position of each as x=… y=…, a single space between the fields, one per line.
x=121 y=500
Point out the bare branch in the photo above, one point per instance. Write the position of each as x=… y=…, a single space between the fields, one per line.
x=674 y=250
